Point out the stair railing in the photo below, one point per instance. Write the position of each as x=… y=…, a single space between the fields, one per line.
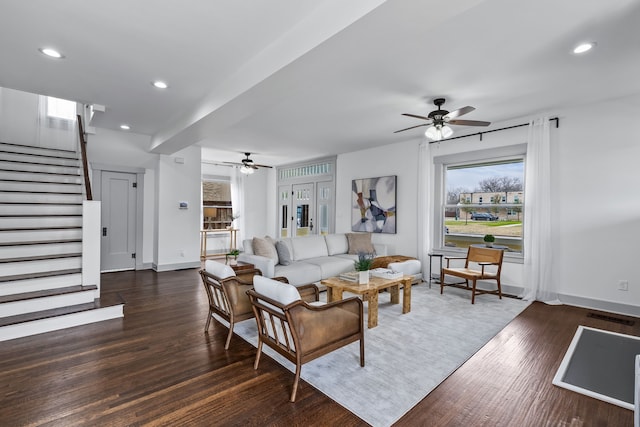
x=83 y=150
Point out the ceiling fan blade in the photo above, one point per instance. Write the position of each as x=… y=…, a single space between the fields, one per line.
x=468 y=122
x=233 y=163
x=417 y=117
x=459 y=112
x=262 y=166
x=412 y=127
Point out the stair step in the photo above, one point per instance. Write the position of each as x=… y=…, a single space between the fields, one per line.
x=56 y=319
x=16 y=269
x=39 y=222
x=53 y=198
x=30 y=167
x=39 y=160
x=34 y=257
x=49 y=280
x=22 y=251
x=10 y=209
x=42 y=151
x=41 y=187
x=23 y=176
x=45 y=293
x=17 y=304
x=46 y=235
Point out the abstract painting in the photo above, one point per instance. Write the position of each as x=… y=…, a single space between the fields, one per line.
x=374 y=205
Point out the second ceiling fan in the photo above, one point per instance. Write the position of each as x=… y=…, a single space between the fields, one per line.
x=438 y=121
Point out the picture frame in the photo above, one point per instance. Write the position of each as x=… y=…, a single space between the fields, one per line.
x=374 y=204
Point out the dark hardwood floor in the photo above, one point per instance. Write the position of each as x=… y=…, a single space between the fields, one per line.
x=157 y=367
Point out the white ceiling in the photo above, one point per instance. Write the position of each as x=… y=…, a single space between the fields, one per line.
x=296 y=79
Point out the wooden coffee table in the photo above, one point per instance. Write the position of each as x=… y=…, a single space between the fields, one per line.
x=336 y=286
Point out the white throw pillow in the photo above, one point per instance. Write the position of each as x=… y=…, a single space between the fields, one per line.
x=218 y=269
x=284 y=293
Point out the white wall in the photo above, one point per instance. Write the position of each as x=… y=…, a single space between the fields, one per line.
x=397 y=159
x=178 y=230
x=596 y=207
x=260 y=204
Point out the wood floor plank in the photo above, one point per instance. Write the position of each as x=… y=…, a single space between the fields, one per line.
x=156 y=366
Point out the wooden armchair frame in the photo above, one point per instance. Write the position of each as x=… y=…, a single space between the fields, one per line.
x=301 y=332
x=481 y=256
x=228 y=298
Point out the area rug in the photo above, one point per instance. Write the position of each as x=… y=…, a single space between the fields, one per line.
x=406 y=355
x=601 y=364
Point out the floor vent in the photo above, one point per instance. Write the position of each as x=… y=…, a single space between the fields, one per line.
x=611 y=319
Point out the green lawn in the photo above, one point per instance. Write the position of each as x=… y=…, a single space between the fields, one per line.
x=487 y=223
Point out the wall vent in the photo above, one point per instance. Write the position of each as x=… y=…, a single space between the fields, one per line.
x=613 y=319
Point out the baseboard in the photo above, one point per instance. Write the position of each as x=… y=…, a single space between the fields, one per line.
x=178 y=266
x=146 y=266
x=602 y=305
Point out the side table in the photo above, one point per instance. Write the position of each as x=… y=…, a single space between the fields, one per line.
x=240 y=266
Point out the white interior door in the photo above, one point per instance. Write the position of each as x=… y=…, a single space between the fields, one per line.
x=118 y=245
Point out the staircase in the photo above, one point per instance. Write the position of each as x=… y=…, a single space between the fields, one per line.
x=41 y=244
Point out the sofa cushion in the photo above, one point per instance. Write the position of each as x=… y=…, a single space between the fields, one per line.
x=264 y=248
x=218 y=269
x=360 y=243
x=284 y=293
x=331 y=266
x=284 y=256
x=308 y=247
x=299 y=272
x=336 y=244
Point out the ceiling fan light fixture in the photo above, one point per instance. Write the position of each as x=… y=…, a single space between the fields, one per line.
x=247 y=170
x=438 y=132
x=583 y=47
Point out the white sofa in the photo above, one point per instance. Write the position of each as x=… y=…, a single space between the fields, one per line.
x=313 y=258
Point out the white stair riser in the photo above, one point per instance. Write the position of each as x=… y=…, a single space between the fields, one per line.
x=43 y=151
x=39 y=235
x=23 y=251
x=60 y=322
x=40 y=222
x=30 y=167
x=41 y=187
x=45 y=303
x=41 y=210
x=40 y=284
x=39 y=177
x=39 y=160
x=40 y=266
x=39 y=198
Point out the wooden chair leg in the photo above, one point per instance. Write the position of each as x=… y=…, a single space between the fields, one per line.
x=441 y=282
x=499 y=289
x=258 y=353
x=206 y=326
x=226 y=344
x=295 y=382
x=362 y=352
x=473 y=292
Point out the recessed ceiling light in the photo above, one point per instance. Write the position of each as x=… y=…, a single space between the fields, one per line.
x=160 y=84
x=583 y=47
x=52 y=53
x=125 y=127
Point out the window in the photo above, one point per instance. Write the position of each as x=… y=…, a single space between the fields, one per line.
x=60 y=113
x=216 y=205
x=484 y=197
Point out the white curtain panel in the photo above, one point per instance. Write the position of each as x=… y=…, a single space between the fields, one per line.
x=425 y=205
x=237 y=201
x=538 y=281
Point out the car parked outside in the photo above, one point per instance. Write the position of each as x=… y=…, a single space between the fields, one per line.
x=483 y=216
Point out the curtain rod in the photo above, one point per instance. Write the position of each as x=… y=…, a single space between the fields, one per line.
x=556 y=119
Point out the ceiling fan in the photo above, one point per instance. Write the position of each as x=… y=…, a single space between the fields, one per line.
x=247 y=166
x=438 y=121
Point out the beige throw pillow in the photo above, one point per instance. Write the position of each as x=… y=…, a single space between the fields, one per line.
x=264 y=248
x=359 y=243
